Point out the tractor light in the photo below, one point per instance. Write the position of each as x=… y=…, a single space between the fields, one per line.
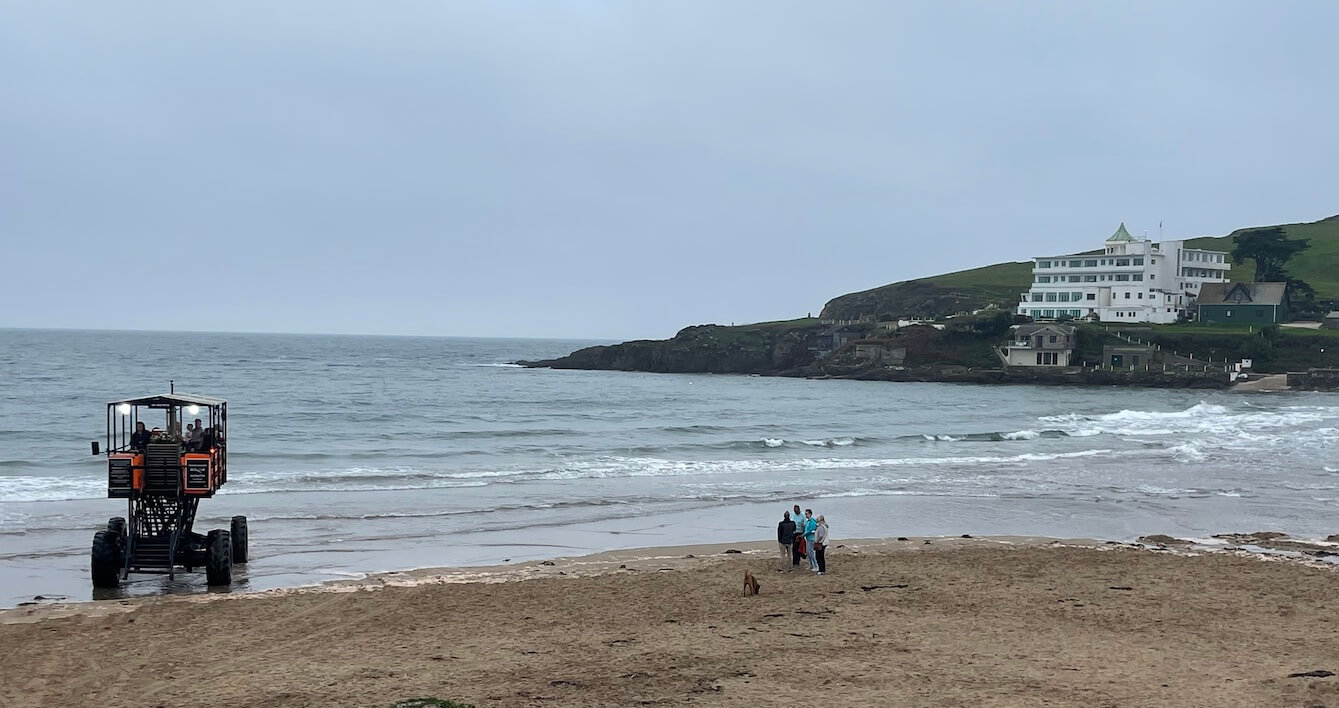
x=123 y=409
x=193 y=409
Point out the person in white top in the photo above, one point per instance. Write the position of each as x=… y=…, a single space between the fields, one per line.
x=821 y=544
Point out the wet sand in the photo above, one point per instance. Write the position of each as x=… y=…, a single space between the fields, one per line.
x=974 y=622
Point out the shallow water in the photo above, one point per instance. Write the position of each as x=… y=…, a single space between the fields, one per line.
x=355 y=454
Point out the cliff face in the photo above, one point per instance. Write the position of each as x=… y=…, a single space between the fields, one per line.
x=754 y=349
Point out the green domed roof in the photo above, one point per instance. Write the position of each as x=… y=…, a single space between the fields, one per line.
x=1121 y=234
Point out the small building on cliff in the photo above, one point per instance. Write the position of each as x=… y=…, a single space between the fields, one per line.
x=1243 y=303
x=1040 y=345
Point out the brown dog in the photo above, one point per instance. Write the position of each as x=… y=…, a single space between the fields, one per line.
x=751 y=585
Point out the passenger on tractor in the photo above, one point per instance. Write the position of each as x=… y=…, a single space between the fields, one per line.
x=191 y=438
x=207 y=440
x=140 y=438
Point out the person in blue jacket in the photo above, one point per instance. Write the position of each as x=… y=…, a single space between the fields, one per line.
x=810 y=526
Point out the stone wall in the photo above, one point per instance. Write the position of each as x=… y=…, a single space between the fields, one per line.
x=1314 y=380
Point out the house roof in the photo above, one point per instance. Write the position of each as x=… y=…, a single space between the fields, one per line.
x=1121 y=234
x=1243 y=293
x=1029 y=330
x=1334 y=315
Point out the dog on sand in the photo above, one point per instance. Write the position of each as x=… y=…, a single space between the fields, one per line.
x=751 y=585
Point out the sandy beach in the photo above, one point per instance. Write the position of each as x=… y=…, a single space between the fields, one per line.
x=973 y=622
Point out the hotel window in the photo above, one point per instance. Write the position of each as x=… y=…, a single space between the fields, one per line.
x=1050 y=297
x=1141 y=296
x=1090 y=279
x=1073 y=278
x=1127 y=296
x=1064 y=297
x=1152 y=276
x=1090 y=264
x=1138 y=261
x=1137 y=276
x=1077 y=296
x=1075 y=264
x=1123 y=278
x=1122 y=261
x=1043 y=279
x=1092 y=296
x=1043 y=264
x=1039 y=358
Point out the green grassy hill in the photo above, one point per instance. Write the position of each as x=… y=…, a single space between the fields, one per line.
x=1001 y=283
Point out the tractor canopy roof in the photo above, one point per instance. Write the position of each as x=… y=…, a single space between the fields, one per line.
x=171 y=400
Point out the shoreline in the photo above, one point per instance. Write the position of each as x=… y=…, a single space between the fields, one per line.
x=957 y=621
x=1263 y=546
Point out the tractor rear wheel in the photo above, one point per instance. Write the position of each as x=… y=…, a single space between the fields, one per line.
x=218 y=561
x=117 y=525
x=106 y=560
x=239 y=540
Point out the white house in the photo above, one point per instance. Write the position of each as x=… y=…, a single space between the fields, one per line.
x=1129 y=280
x=1039 y=345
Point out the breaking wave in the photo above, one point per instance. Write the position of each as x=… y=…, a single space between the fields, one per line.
x=991 y=437
x=1202 y=418
x=37 y=489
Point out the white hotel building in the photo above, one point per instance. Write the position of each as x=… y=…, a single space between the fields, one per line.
x=1128 y=281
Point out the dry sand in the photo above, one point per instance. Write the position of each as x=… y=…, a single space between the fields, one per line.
x=980 y=622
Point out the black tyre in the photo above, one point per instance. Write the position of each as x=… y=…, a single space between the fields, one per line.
x=239 y=540
x=106 y=560
x=117 y=525
x=218 y=561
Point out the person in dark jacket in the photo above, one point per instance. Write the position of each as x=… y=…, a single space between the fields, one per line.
x=785 y=535
x=140 y=438
x=797 y=546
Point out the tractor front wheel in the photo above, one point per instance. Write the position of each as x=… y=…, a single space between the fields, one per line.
x=117 y=525
x=218 y=563
x=239 y=540
x=106 y=560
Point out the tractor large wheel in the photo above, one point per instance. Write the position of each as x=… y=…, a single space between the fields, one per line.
x=218 y=563
x=239 y=540
x=117 y=525
x=106 y=560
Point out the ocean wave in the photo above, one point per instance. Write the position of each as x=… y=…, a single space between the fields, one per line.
x=1003 y=436
x=1201 y=418
x=772 y=443
x=34 y=489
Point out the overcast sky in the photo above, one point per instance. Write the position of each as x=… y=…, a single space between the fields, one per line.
x=622 y=169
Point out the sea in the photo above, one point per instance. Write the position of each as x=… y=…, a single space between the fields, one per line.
x=359 y=454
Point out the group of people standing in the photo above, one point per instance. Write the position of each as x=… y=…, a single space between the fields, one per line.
x=803 y=537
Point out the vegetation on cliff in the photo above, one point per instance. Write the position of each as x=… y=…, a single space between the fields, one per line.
x=764 y=348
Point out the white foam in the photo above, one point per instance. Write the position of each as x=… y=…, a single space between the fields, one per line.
x=773 y=442
x=1202 y=418
x=1022 y=435
x=1187 y=452
x=618 y=466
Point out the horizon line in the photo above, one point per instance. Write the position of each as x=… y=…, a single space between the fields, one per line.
x=298 y=334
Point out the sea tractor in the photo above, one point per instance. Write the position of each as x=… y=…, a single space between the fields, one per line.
x=164 y=454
